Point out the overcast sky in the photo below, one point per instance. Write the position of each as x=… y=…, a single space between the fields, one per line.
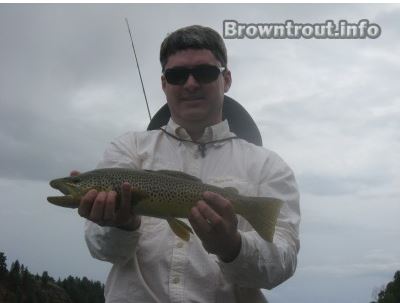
x=329 y=107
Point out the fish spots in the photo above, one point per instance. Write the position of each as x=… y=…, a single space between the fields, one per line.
x=160 y=194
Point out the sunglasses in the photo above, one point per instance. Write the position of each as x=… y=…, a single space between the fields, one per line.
x=202 y=73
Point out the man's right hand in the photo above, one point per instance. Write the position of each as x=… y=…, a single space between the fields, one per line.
x=100 y=208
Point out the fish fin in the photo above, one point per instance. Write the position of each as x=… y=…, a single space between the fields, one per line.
x=231 y=190
x=178 y=174
x=180 y=228
x=262 y=214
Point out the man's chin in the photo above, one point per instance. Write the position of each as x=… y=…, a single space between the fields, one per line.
x=194 y=115
x=196 y=109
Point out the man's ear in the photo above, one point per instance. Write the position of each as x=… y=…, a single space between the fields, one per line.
x=227 y=80
x=163 y=82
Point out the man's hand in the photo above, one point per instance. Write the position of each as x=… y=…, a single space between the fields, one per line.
x=215 y=223
x=100 y=208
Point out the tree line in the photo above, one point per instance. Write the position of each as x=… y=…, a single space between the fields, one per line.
x=391 y=293
x=18 y=285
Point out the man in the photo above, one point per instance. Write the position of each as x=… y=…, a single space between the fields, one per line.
x=226 y=261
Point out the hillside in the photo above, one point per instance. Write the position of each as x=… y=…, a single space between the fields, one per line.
x=18 y=285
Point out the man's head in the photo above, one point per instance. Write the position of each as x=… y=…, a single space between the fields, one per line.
x=195 y=75
x=195 y=37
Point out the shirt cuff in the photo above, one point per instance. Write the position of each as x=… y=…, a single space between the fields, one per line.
x=232 y=270
x=111 y=243
x=117 y=236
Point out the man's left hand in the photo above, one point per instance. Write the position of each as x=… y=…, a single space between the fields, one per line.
x=215 y=223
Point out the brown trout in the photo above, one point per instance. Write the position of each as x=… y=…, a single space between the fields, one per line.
x=167 y=194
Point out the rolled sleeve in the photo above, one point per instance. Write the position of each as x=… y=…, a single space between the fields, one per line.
x=258 y=265
x=111 y=244
x=261 y=264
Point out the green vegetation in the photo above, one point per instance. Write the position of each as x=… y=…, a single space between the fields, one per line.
x=20 y=286
x=391 y=294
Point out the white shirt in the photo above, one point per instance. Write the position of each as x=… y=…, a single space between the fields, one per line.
x=153 y=265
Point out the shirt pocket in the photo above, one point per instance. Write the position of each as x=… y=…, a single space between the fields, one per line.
x=158 y=163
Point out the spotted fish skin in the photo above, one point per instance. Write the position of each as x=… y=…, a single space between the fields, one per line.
x=165 y=194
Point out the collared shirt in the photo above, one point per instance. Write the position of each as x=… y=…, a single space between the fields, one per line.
x=152 y=264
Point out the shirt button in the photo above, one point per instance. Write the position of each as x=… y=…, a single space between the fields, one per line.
x=179 y=245
x=176 y=280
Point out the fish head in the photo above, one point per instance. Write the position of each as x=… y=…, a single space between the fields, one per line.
x=68 y=185
x=75 y=187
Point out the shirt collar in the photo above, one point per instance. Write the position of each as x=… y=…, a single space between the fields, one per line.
x=211 y=133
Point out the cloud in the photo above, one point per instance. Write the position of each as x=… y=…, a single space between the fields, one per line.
x=65 y=92
x=353 y=270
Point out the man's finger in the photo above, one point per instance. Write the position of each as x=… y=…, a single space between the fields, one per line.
x=198 y=222
x=126 y=195
x=97 y=212
x=86 y=203
x=221 y=205
x=109 y=208
x=213 y=219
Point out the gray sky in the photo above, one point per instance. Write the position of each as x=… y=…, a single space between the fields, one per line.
x=330 y=108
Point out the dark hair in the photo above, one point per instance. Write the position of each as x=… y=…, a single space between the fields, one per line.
x=197 y=37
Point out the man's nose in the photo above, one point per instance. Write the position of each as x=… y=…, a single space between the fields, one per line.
x=191 y=83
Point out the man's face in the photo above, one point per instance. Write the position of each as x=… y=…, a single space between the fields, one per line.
x=194 y=103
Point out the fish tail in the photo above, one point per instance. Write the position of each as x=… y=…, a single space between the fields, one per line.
x=262 y=214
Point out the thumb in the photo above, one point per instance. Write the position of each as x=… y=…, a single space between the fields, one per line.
x=74 y=173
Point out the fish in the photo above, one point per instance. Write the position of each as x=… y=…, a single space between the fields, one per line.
x=166 y=194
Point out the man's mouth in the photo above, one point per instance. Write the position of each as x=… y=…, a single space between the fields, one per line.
x=192 y=98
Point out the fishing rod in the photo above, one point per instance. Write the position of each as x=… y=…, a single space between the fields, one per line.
x=234 y=112
x=137 y=64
